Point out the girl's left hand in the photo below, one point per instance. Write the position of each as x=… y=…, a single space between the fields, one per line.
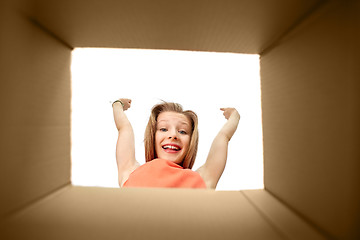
x=227 y=112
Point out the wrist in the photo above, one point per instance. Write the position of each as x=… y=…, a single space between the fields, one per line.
x=237 y=115
x=118 y=101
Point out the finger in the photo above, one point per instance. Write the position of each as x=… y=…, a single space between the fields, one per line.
x=126 y=101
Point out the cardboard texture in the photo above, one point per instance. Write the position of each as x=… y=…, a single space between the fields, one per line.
x=100 y=213
x=310 y=104
x=202 y=25
x=289 y=225
x=310 y=99
x=35 y=110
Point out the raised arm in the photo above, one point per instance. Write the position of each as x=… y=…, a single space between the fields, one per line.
x=125 y=147
x=215 y=163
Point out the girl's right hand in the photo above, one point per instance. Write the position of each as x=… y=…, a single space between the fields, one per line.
x=126 y=102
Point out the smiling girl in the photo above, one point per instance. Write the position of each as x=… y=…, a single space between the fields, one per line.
x=171 y=140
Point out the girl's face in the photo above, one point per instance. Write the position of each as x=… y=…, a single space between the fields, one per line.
x=172 y=136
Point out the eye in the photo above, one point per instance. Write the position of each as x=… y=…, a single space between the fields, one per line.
x=182 y=132
x=162 y=129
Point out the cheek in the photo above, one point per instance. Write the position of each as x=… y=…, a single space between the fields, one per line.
x=186 y=141
x=157 y=144
x=158 y=139
x=158 y=136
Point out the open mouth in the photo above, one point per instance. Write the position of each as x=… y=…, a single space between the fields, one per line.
x=171 y=148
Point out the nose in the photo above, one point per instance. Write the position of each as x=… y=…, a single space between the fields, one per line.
x=172 y=134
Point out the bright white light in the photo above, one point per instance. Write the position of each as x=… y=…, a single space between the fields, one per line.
x=200 y=81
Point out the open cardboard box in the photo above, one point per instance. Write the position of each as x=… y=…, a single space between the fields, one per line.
x=310 y=104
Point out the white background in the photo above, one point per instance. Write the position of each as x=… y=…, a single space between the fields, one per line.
x=200 y=81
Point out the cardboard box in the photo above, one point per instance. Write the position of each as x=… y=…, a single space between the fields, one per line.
x=310 y=105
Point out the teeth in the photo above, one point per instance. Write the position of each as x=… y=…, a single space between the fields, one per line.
x=170 y=147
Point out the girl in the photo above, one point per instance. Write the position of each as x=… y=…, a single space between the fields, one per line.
x=171 y=139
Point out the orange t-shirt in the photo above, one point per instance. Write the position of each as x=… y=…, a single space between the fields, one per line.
x=164 y=174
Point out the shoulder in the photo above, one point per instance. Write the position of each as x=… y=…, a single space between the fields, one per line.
x=124 y=175
x=139 y=170
x=206 y=176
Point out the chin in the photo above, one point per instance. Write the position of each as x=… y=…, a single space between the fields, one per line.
x=174 y=159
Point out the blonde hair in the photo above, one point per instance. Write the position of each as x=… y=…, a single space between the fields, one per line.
x=149 y=139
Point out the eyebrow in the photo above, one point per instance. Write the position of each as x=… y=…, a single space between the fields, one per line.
x=182 y=122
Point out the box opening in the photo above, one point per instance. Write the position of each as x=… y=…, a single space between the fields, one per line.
x=200 y=81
